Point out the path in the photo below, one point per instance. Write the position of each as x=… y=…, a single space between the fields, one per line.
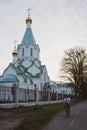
x=77 y=120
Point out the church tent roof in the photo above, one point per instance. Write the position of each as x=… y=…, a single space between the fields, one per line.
x=28 y=37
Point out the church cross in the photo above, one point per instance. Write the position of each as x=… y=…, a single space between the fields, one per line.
x=29 y=12
x=15 y=44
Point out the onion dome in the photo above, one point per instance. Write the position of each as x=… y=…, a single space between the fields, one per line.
x=29 y=20
x=15 y=52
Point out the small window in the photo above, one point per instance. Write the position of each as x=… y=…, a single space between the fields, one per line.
x=31 y=51
x=22 y=51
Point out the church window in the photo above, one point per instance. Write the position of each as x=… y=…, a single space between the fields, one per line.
x=22 y=51
x=31 y=51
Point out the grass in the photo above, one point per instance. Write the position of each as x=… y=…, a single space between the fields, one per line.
x=34 y=117
x=38 y=116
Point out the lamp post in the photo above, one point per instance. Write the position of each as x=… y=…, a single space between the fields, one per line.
x=36 y=94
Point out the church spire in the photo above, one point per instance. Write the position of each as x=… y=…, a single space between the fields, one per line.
x=14 y=53
x=28 y=36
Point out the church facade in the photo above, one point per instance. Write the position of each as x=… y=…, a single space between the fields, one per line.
x=26 y=69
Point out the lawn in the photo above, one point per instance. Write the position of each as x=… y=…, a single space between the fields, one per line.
x=28 y=118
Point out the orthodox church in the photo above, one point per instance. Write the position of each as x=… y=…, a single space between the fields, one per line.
x=26 y=69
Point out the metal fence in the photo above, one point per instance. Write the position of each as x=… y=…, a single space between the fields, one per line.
x=21 y=95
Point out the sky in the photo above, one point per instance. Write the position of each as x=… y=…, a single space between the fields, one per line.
x=57 y=25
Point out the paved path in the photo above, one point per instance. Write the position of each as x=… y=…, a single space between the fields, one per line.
x=76 y=121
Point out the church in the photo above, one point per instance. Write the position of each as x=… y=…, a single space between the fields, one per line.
x=26 y=69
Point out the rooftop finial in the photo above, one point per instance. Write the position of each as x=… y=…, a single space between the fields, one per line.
x=15 y=50
x=29 y=12
x=29 y=20
x=15 y=44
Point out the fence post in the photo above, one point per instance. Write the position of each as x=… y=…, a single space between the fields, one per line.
x=56 y=95
x=48 y=95
x=37 y=94
x=16 y=94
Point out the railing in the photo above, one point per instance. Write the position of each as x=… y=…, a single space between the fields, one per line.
x=20 y=95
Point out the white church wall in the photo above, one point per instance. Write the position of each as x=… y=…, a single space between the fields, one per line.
x=23 y=85
x=27 y=52
x=45 y=76
x=35 y=52
x=36 y=55
x=42 y=80
x=20 y=78
x=37 y=83
x=20 y=51
x=30 y=86
x=7 y=84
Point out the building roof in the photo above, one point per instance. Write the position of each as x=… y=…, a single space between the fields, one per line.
x=9 y=78
x=28 y=37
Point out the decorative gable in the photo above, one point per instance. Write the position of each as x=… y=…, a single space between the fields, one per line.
x=26 y=63
x=9 y=70
x=34 y=70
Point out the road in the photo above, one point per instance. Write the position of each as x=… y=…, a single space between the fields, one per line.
x=76 y=121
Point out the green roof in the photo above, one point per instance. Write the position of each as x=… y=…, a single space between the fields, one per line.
x=9 y=78
x=28 y=37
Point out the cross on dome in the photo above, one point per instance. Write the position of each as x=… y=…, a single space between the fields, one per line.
x=14 y=53
x=15 y=44
x=29 y=12
x=29 y=20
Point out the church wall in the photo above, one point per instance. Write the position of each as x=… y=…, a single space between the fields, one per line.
x=45 y=76
x=37 y=83
x=19 y=53
x=7 y=84
x=36 y=55
x=42 y=80
x=23 y=85
x=20 y=78
x=27 y=52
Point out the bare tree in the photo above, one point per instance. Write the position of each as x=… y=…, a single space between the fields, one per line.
x=74 y=69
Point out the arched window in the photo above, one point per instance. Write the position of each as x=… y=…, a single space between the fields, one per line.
x=31 y=51
x=22 y=51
